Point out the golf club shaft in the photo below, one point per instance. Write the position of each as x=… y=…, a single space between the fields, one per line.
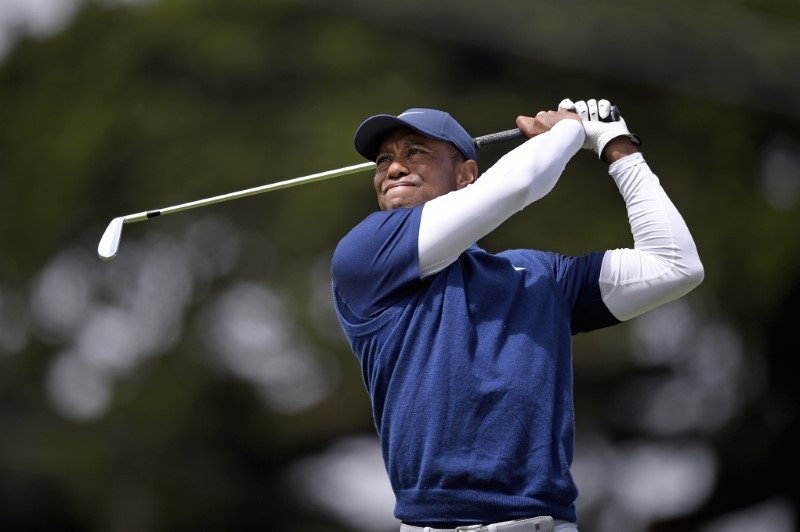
x=109 y=243
x=492 y=138
x=249 y=192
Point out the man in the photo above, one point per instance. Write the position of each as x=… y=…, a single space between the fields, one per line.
x=466 y=355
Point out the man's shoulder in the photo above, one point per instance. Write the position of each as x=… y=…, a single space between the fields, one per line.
x=529 y=257
x=383 y=241
x=556 y=265
x=382 y=220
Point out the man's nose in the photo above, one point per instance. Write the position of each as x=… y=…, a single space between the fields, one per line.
x=396 y=169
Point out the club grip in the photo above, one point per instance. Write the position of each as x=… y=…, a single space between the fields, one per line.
x=514 y=134
x=500 y=136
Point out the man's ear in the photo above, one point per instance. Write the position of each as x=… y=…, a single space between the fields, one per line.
x=467 y=173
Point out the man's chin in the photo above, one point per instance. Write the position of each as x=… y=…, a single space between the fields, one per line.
x=399 y=202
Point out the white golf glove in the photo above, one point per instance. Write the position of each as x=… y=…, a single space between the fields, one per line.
x=601 y=122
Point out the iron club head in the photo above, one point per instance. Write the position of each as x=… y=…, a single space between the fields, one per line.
x=107 y=249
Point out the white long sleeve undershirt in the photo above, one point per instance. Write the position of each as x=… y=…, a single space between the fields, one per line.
x=663 y=265
x=453 y=222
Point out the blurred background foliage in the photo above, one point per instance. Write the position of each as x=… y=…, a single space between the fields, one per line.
x=199 y=381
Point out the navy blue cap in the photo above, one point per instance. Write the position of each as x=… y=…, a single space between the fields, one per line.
x=429 y=122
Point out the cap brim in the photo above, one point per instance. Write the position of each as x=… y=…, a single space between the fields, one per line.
x=371 y=133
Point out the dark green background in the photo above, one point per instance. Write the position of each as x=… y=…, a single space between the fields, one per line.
x=146 y=106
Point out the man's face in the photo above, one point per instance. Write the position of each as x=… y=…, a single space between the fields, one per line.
x=412 y=169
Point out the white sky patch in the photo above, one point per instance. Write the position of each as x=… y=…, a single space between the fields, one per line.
x=639 y=482
x=111 y=317
x=40 y=18
x=591 y=469
x=249 y=329
x=659 y=481
x=61 y=295
x=115 y=340
x=349 y=482
x=77 y=390
x=707 y=373
x=774 y=515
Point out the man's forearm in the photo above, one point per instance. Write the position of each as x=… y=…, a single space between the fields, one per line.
x=664 y=264
x=618 y=148
x=453 y=222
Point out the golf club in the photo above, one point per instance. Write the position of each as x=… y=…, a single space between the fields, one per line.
x=109 y=243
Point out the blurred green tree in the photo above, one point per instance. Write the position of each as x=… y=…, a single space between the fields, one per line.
x=176 y=387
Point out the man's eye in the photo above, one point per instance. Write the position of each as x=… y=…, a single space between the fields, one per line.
x=382 y=159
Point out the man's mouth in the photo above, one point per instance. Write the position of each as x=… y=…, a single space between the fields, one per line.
x=397 y=184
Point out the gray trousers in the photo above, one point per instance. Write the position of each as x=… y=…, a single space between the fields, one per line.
x=534 y=524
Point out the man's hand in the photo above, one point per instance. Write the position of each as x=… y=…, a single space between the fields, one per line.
x=602 y=127
x=544 y=121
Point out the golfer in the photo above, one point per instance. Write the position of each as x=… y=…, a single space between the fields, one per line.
x=466 y=355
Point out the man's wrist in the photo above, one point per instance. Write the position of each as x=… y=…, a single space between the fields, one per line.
x=617 y=148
